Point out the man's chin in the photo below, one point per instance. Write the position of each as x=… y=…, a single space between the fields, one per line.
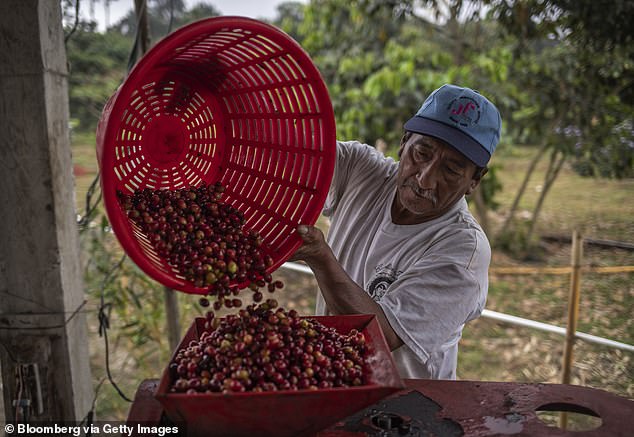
x=419 y=205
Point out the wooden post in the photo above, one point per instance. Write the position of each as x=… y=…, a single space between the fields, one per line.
x=43 y=334
x=140 y=8
x=573 y=311
x=172 y=318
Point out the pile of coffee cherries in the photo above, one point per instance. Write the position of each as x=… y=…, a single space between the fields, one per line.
x=203 y=239
x=266 y=348
x=260 y=348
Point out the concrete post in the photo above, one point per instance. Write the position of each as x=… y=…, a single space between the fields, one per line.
x=43 y=338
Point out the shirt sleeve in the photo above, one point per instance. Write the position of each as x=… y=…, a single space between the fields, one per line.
x=355 y=161
x=430 y=302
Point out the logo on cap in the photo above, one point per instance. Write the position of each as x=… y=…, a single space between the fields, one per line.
x=464 y=111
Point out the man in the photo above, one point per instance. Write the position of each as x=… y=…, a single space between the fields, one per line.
x=402 y=243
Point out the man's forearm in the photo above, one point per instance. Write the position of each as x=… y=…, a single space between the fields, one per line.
x=344 y=296
x=341 y=293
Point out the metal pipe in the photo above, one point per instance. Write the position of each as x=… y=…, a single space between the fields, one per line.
x=519 y=321
x=513 y=320
x=298 y=268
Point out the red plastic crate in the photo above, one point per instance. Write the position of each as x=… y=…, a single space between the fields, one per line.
x=284 y=413
x=226 y=99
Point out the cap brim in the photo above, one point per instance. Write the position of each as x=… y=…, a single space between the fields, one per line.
x=457 y=139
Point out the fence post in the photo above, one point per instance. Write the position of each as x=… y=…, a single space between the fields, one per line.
x=573 y=312
x=172 y=318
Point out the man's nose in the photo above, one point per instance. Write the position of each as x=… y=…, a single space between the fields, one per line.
x=427 y=175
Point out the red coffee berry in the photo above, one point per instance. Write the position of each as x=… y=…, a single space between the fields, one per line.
x=202 y=238
x=266 y=348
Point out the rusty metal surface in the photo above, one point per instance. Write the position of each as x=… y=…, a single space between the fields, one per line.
x=451 y=408
x=506 y=408
x=407 y=414
x=145 y=408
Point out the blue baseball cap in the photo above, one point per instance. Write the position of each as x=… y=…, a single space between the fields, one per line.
x=461 y=117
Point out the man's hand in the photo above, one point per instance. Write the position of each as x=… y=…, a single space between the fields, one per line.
x=341 y=293
x=314 y=248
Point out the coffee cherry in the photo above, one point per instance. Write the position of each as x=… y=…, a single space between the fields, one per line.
x=266 y=348
x=202 y=239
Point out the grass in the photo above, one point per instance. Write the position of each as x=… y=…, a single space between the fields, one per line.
x=600 y=209
x=85 y=166
x=489 y=350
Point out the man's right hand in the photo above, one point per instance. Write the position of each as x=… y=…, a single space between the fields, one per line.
x=314 y=247
x=341 y=293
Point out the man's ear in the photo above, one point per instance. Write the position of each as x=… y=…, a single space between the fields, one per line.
x=472 y=186
x=475 y=181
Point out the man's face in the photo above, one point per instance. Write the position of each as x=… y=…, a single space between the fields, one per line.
x=431 y=177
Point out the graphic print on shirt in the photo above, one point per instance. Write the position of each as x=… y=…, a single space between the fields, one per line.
x=381 y=281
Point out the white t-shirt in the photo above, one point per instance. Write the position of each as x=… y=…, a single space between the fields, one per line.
x=429 y=278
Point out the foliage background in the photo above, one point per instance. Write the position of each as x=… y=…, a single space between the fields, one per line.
x=560 y=72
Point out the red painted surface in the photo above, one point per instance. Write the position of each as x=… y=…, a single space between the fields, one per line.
x=285 y=413
x=481 y=408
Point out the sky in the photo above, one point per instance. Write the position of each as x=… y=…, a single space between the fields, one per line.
x=119 y=8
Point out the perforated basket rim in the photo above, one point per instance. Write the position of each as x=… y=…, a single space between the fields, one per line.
x=107 y=131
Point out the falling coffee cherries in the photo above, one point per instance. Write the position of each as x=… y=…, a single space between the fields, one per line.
x=204 y=239
x=260 y=348
x=266 y=348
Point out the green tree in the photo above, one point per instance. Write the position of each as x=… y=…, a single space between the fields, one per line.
x=97 y=68
x=575 y=72
x=290 y=15
x=361 y=48
x=164 y=16
x=382 y=59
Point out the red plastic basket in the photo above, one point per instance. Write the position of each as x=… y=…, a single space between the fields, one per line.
x=227 y=99
x=286 y=412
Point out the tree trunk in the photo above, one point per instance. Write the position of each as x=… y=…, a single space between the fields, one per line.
x=140 y=8
x=555 y=165
x=520 y=192
x=172 y=316
x=481 y=210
